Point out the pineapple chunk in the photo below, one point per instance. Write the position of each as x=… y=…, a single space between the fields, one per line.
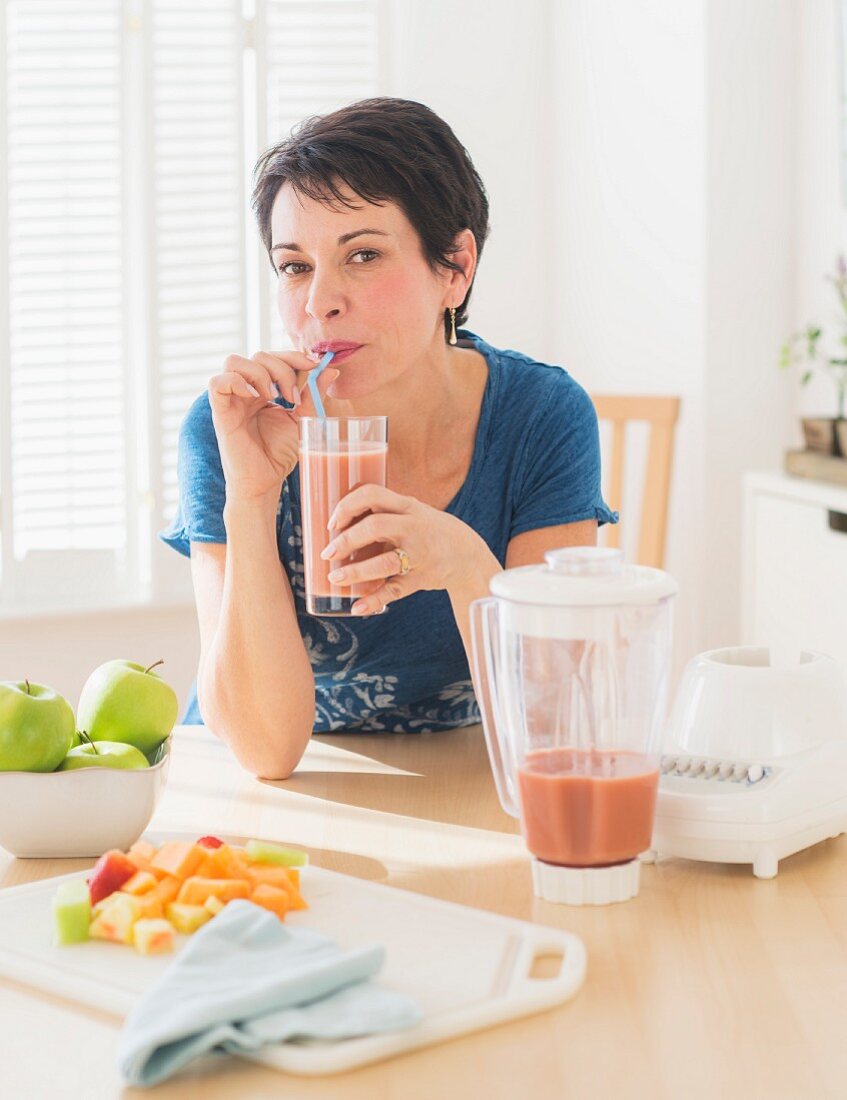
x=115 y=920
x=153 y=937
x=187 y=918
x=214 y=904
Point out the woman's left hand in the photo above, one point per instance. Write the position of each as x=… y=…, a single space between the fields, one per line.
x=440 y=549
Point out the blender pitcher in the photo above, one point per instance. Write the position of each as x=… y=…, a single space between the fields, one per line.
x=571 y=666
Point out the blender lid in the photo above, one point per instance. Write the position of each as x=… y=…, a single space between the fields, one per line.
x=583 y=576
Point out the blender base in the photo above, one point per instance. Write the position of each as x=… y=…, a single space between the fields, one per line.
x=586 y=885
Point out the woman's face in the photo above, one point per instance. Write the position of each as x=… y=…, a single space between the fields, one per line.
x=355 y=281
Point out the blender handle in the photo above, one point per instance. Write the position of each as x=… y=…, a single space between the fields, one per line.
x=485 y=635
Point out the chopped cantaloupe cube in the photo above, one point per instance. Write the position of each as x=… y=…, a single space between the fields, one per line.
x=142 y=849
x=153 y=937
x=116 y=918
x=214 y=905
x=195 y=890
x=150 y=907
x=142 y=854
x=295 y=898
x=140 y=883
x=272 y=898
x=279 y=877
x=165 y=890
x=225 y=862
x=187 y=918
x=179 y=858
x=270 y=876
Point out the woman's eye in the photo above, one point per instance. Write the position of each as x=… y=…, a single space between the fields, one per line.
x=292 y=267
x=364 y=255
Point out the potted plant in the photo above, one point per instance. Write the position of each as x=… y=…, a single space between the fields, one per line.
x=825 y=434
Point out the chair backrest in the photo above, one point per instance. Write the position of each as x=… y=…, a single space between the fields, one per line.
x=661 y=413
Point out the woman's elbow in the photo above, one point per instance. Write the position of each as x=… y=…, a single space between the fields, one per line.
x=273 y=754
x=268 y=753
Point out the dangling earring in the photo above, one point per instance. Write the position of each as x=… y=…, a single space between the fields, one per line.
x=452 y=339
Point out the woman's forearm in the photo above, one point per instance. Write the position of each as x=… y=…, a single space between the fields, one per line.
x=255 y=683
x=472 y=584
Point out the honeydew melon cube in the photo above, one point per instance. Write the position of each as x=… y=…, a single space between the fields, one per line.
x=262 y=851
x=72 y=912
x=153 y=937
x=114 y=922
x=187 y=918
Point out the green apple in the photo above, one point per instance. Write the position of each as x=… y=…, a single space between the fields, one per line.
x=122 y=701
x=36 y=727
x=104 y=754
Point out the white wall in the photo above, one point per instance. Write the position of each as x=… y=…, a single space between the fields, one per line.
x=750 y=250
x=631 y=231
x=675 y=176
x=821 y=212
x=485 y=67
x=62 y=650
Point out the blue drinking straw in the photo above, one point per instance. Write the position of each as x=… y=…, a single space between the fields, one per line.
x=312 y=380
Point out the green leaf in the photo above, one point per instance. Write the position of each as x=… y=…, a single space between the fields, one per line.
x=806 y=379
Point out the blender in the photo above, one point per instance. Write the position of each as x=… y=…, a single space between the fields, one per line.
x=571 y=667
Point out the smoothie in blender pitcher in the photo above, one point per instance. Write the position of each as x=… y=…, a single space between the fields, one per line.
x=571 y=665
x=587 y=808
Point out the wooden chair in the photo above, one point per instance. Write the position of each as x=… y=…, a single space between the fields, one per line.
x=661 y=413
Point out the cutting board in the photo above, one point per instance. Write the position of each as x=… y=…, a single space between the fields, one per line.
x=466 y=968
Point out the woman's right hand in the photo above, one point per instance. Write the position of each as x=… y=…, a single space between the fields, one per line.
x=258 y=440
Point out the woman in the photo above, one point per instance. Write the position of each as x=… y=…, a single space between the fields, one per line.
x=374 y=218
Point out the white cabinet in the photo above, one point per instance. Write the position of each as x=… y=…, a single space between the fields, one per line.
x=794 y=564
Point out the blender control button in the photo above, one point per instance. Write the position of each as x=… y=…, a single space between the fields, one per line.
x=667 y=764
x=725 y=771
x=682 y=764
x=739 y=771
x=710 y=768
x=696 y=767
x=755 y=773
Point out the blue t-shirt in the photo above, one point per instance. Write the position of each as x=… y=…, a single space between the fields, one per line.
x=536 y=463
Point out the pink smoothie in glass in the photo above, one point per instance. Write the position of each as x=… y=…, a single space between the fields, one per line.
x=325 y=478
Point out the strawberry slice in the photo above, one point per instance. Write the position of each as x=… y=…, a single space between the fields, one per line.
x=210 y=842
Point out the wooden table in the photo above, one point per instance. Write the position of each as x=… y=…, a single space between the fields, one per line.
x=710 y=984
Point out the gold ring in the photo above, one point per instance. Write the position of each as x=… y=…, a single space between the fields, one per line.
x=405 y=564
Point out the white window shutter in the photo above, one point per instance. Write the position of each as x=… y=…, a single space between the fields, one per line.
x=129 y=266
x=64 y=472
x=200 y=210
x=314 y=56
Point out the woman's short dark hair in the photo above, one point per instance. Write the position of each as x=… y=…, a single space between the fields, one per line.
x=382 y=149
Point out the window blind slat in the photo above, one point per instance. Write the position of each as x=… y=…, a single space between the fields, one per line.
x=63 y=103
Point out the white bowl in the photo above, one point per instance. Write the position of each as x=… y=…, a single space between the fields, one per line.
x=733 y=703
x=83 y=812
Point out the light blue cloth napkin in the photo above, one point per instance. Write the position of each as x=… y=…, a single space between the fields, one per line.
x=244 y=980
